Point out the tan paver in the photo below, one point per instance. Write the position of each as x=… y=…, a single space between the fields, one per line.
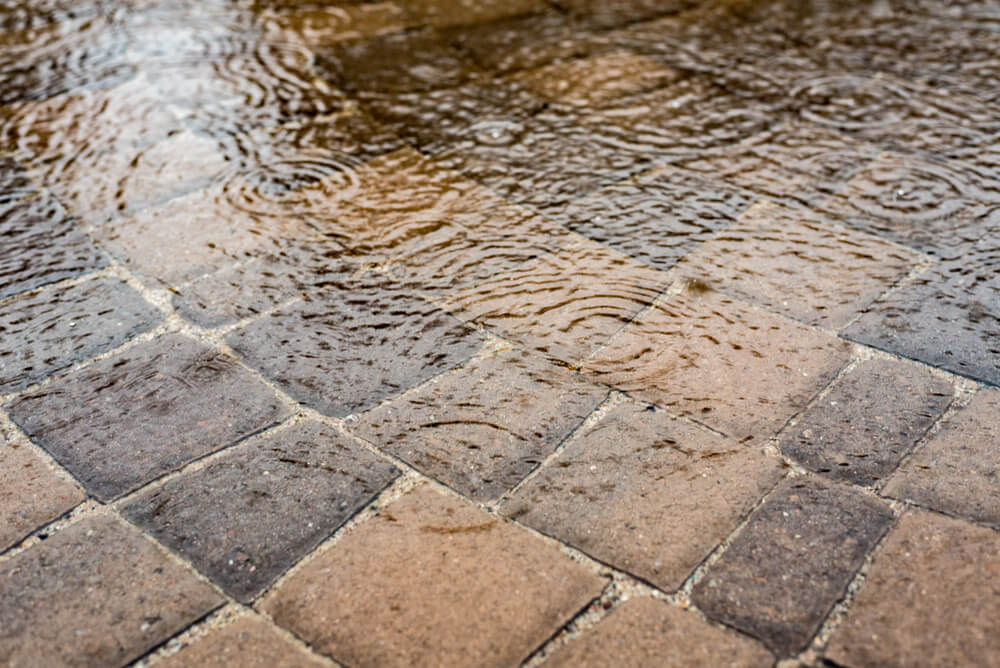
x=566 y=304
x=97 y=594
x=648 y=632
x=932 y=598
x=247 y=642
x=737 y=369
x=798 y=264
x=956 y=471
x=646 y=493
x=485 y=426
x=432 y=581
x=31 y=493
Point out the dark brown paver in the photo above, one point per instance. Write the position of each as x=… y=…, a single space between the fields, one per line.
x=354 y=345
x=52 y=330
x=787 y=568
x=932 y=598
x=565 y=304
x=456 y=586
x=799 y=265
x=128 y=419
x=482 y=428
x=456 y=12
x=955 y=471
x=869 y=421
x=98 y=594
x=31 y=493
x=253 y=513
x=247 y=642
x=738 y=370
x=647 y=632
x=646 y=493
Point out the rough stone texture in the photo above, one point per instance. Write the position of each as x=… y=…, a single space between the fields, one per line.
x=461 y=587
x=793 y=561
x=31 y=493
x=956 y=470
x=869 y=421
x=247 y=642
x=659 y=494
x=253 y=513
x=647 y=632
x=564 y=305
x=53 y=330
x=355 y=345
x=128 y=419
x=932 y=598
x=738 y=370
x=799 y=265
x=95 y=594
x=483 y=428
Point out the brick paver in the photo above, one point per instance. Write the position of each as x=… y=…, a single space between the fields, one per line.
x=955 y=471
x=871 y=418
x=485 y=426
x=793 y=561
x=253 y=513
x=97 y=593
x=931 y=598
x=646 y=632
x=461 y=586
x=130 y=418
x=660 y=493
x=738 y=370
x=247 y=642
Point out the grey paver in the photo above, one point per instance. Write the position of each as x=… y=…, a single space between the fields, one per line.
x=97 y=593
x=250 y=515
x=461 y=586
x=130 y=418
x=484 y=427
x=869 y=421
x=793 y=561
x=659 y=494
x=50 y=331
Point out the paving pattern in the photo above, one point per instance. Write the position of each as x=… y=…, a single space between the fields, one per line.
x=534 y=332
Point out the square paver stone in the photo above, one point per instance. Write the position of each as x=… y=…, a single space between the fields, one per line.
x=97 y=593
x=52 y=330
x=128 y=419
x=929 y=568
x=249 y=515
x=247 y=642
x=799 y=265
x=646 y=493
x=431 y=580
x=647 y=632
x=871 y=418
x=735 y=368
x=31 y=493
x=484 y=427
x=566 y=304
x=354 y=345
x=957 y=471
x=785 y=570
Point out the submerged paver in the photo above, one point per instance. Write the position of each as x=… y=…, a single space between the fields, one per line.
x=929 y=568
x=793 y=561
x=659 y=493
x=251 y=514
x=869 y=421
x=247 y=642
x=484 y=427
x=97 y=593
x=646 y=632
x=461 y=586
x=127 y=419
x=52 y=330
x=955 y=471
